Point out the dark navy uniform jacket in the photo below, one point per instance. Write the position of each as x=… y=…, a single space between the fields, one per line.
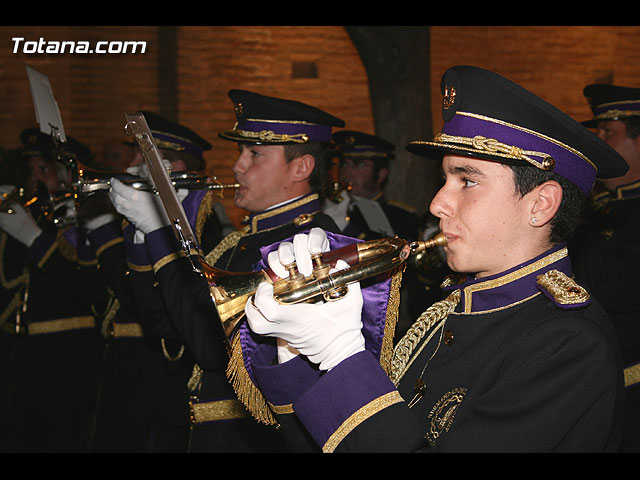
x=606 y=254
x=523 y=361
x=220 y=423
x=50 y=340
x=143 y=402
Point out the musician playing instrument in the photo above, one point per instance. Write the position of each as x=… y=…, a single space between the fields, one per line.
x=279 y=169
x=142 y=405
x=518 y=357
x=48 y=318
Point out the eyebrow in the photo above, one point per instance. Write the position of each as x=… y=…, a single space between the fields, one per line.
x=465 y=170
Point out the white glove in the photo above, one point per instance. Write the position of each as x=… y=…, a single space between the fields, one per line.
x=143 y=209
x=299 y=251
x=327 y=333
x=19 y=224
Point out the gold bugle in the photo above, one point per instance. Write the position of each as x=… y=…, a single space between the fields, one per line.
x=230 y=291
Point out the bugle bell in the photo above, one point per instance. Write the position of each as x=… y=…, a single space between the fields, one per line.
x=230 y=291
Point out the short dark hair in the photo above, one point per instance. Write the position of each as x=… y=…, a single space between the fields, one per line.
x=319 y=151
x=564 y=223
x=633 y=126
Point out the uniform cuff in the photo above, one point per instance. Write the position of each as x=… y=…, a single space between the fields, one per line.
x=343 y=398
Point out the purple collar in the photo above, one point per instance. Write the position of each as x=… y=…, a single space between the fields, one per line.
x=301 y=210
x=631 y=190
x=515 y=285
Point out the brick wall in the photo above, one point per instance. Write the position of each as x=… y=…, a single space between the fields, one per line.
x=313 y=64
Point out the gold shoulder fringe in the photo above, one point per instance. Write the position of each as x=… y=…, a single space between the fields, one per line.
x=205 y=210
x=251 y=396
x=393 y=307
x=247 y=392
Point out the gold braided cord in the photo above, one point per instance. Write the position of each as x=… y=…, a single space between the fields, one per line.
x=403 y=351
x=632 y=375
x=271 y=136
x=613 y=114
x=531 y=132
x=393 y=307
x=484 y=144
x=14 y=282
x=247 y=392
x=225 y=244
x=167 y=355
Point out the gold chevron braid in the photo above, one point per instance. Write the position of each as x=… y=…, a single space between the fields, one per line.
x=403 y=351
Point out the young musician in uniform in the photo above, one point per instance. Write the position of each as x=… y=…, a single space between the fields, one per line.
x=519 y=357
x=280 y=169
x=606 y=251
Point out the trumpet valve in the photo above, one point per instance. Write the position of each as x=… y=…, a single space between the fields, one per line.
x=320 y=269
x=295 y=278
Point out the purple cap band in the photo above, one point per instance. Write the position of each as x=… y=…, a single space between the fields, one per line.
x=314 y=132
x=187 y=145
x=569 y=163
x=622 y=106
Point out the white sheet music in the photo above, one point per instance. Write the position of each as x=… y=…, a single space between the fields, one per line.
x=47 y=111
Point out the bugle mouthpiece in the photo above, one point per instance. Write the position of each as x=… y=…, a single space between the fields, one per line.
x=438 y=240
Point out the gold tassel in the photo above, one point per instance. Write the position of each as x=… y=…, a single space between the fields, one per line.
x=393 y=307
x=247 y=392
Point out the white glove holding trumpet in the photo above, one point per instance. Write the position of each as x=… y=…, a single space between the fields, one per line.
x=327 y=332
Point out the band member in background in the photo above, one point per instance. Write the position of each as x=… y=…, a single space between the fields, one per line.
x=363 y=211
x=280 y=169
x=142 y=404
x=50 y=306
x=606 y=249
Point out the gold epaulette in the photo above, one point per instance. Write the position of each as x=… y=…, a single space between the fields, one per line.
x=563 y=289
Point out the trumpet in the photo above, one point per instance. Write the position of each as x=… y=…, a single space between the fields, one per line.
x=89 y=183
x=230 y=291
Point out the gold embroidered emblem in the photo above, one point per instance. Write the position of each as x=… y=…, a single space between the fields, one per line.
x=239 y=110
x=449 y=97
x=442 y=414
x=563 y=289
